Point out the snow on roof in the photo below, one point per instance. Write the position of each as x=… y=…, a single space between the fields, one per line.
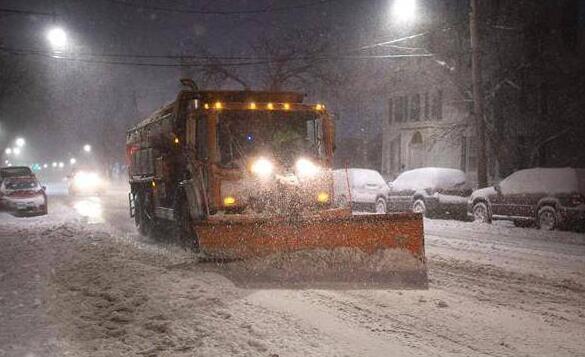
x=428 y=177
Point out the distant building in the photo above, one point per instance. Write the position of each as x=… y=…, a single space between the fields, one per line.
x=427 y=122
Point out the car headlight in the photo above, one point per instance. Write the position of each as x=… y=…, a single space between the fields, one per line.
x=305 y=168
x=86 y=179
x=262 y=167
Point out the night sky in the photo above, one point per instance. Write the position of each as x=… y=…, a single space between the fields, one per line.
x=62 y=103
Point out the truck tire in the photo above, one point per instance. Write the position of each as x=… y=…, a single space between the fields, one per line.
x=184 y=233
x=143 y=220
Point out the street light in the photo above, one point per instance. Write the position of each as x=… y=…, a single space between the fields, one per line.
x=54 y=164
x=8 y=151
x=72 y=161
x=87 y=148
x=20 y=142
x=404 y=10
x=61 y=165
x=57 y=38
x=16 y=151
x=45 y=166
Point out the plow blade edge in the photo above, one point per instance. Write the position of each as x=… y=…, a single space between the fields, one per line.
x=334 y=250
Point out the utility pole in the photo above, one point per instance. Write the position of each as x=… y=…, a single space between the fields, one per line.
x=478 y=97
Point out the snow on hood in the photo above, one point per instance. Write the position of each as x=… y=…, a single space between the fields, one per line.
x=483 y=192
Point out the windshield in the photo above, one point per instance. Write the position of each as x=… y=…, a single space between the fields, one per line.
x=15 y=171
x=24 y=184
x=284 y=135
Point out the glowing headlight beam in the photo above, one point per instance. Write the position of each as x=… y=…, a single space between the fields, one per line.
x=306 y=168
x=262 y=167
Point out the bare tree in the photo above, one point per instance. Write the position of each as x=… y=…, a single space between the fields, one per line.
x=293 y=60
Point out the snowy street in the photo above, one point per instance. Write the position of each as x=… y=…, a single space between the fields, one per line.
x=82 y=282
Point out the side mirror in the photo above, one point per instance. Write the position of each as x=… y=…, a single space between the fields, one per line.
x=498 y=188
x=44 y=188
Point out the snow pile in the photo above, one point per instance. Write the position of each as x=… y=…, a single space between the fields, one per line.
x=343 y=267
x=429 y=177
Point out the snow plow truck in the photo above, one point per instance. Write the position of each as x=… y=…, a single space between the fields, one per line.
x=246 y=177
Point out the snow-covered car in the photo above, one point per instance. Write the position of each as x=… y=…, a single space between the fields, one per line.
x=23 y=195
x=549 y=197
x=430 y=191
x=366 y=188
x=86 y=182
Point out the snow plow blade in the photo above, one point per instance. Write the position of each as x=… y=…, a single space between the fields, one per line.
x=332 y=249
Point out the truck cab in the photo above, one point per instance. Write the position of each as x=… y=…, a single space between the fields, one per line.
x=230 y=152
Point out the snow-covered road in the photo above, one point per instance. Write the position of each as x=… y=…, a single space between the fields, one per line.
x=81 y=282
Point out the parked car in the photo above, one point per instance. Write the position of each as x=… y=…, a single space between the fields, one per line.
x=430 y=191
x=23 y=195
x=551 y=198
x=367 y=189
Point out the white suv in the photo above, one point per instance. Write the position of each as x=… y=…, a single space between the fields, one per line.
x=366 y=188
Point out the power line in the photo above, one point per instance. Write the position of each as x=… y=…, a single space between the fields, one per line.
x=25 y=12
x=224 y=12
x=231 y=61
x=58 y=56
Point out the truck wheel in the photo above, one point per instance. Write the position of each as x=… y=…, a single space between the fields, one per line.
x=547 y=218
x=143 y=222
x=481 y=213
x=184 y=232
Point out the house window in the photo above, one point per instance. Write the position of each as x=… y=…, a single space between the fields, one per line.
x=469 y=154
x=415 y=107
x=401 y=109
x=397 y=110
x=437 y=107
x=390 y=111
x=427 y=107
x=416 y=155
x=395 y=163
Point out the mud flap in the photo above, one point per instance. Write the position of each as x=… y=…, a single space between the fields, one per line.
x=326 y=251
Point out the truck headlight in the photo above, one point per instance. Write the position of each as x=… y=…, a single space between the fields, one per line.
x=305 y=168
x=262 y=167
